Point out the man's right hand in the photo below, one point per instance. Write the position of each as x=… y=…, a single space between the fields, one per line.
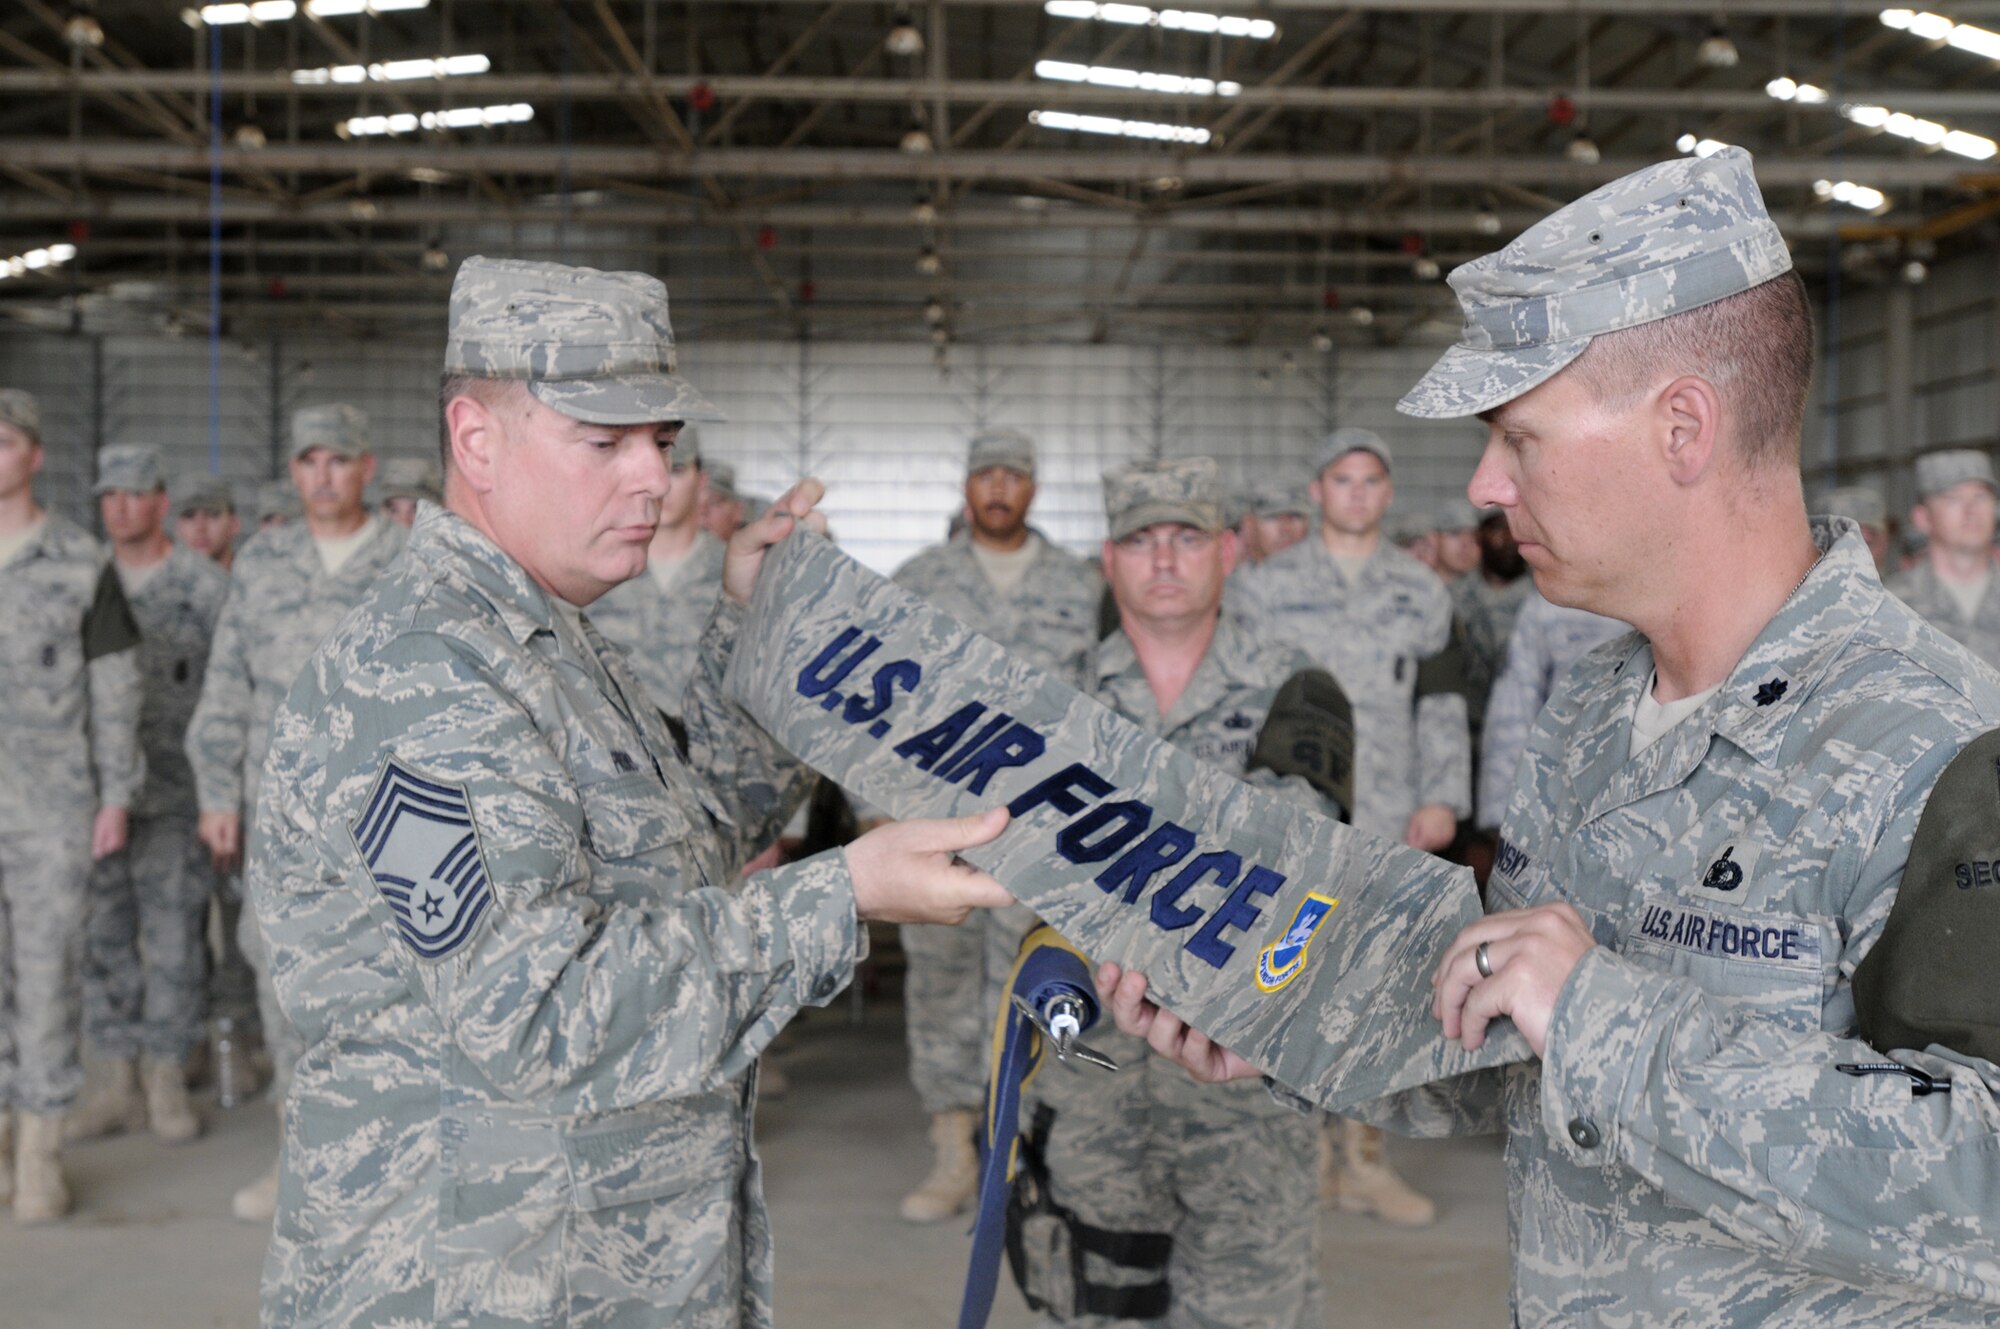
x=909 y=872
x=222 y=832
x=1206 y=1061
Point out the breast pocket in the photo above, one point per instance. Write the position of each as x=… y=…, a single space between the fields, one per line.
x=1769 y=960
x=631 y=816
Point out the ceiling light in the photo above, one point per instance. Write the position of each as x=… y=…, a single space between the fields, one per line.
x=1929 y=133
x=923 y=212
x=463 y=117
x=250 y=136
x=1930 y=27
x=1700 y=147
x=1361 y=316
x=916 y=141
x=277 y=11
x=1425 y=268
x=1322 y=340
x=434 y=259
x=1181 y=20
x=1855 y=196
x=934 y=311
x=1108 y=76
x=81 y=29
x=1103 y=124
x=1788 y=90
x=1487 y=220
x=36 y=260
x=443 y=66
x=928 y=261
x=1915 y=272
x=1716 y=50
x=904 y=38
x=1583 y=150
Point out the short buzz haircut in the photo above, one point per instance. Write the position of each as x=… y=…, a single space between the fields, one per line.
x=489 y=392
x=1756 y=347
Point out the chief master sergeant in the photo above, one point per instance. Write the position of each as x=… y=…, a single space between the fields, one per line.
x=497 y=892
x=1710 y=823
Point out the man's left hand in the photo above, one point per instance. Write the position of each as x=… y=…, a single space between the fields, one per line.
x=108 y=832
x=745 y=556
x=1531 y=953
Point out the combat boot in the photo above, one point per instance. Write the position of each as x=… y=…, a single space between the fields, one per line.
x=111 y=1103
x=40 y=1194
x=168 y=1111
x=6 y=1155
x=955 y=1174
x=1368 y=1185
x=258 y=1202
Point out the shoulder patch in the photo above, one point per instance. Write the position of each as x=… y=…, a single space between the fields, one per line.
x=422 y=852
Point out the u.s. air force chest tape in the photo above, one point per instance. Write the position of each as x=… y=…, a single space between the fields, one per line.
x=1302 y=944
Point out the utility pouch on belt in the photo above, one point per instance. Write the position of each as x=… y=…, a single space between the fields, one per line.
x=1046 y=1245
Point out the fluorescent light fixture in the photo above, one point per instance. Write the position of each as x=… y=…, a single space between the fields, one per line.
x=1106 y=76
x=1928 y=133
x=443 y=66
x=1180 y=20
x=464 y=117
x=1104 y=124
x=36 y=260
x=1931 y=27
x=1700 y=147
x=1855 y=196
x=277 y=11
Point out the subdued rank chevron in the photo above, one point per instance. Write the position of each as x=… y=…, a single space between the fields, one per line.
x=417 y=839
x=1299 y=942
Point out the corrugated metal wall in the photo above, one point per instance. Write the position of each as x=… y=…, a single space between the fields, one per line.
x=877 y=421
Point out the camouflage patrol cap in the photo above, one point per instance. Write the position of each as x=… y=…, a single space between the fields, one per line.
x=1403 y=527
x=687 y=446
x=1929 y=978
x=721 y=478
x=335 y=426
x=277 y=498
x=1658 y=242
x=596 y=346
x=1939 y=471
x=1001 y=447
x=1456 y=514
x=198 y=491
x=1186 y=491
x=21 y=410
x=1279 y=498
x=1858 y=503
x=411 y=477
x=1238 y=502
x=1349 y=439
x=133 y=468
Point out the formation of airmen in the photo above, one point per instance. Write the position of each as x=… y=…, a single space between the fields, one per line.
x=524 y=921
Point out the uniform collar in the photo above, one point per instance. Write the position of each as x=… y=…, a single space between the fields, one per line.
x=444 y=538
x=1116 y=670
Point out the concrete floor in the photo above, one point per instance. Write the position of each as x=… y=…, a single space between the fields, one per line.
x=152 y=1242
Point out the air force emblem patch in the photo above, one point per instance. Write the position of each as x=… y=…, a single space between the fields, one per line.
x=417 y=839
x=1285 y=959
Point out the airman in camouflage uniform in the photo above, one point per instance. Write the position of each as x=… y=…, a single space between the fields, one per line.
x=659 y=618
x=1381 y=622
x=282 y=602
x=406 y=482
x=1951 y=587
x=1547 y=639
x=1002 y=579
x=499 y=897
x=1864 y=506
x=205 y=520
x=1222 y=1171
x=721 y=508
x=145 y=969
x=1486 y=597
x=69 y=725
x=1282 y=515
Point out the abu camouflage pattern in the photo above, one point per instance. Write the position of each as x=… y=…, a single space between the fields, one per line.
x=1547 y=639
x=911 y=710
x=661 y=629
x=1660 y=241
x=1922 y=590
x=596 y=346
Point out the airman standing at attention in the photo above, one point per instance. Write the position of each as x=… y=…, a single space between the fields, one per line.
x=69 y=725
x=1952 y=585
x=205 y=520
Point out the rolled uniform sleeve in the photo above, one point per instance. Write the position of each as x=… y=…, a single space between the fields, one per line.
x=218 y=734
x=605 y=974
x=1748 y=1121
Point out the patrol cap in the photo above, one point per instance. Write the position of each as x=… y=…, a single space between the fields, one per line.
x=336 y=427
x=1186 y=490
x=21 y=410
x=131 y=467
x=411 y=477
x=1929 y=978
x=1001 y=447
x=1858 y=503
x=198 y=491
x=1939 y=471
x=596 y=346
x=721 y=478
x=1456 y=514
x=277 y=498
x=1658 y=242
x=1279 y=498
x=1403 y=527
x=1349 y=439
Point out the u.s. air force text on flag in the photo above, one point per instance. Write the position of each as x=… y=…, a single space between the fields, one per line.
x=1302 y=944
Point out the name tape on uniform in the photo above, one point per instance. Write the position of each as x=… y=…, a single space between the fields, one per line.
x=1298 y=942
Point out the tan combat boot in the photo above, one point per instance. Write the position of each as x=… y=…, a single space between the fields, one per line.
x=955 y=1174
x=6 y=1155
x=258 y=1202
x=168 y=1111
x=111 y=1103
x=1368 y=1185
x=40 y=1194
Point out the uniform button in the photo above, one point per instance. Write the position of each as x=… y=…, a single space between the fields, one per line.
x=825 y=988
x=1583 y=1131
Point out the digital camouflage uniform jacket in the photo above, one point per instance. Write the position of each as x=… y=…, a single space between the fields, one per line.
x=1547 y=639
x=281 y=605
x=1049 y=618
x=1388 y=641
x=548 y=1121
x=69 y=682
x=1921 y=590
x=177 y=609
x=658 y=630
x=1686 y=1152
